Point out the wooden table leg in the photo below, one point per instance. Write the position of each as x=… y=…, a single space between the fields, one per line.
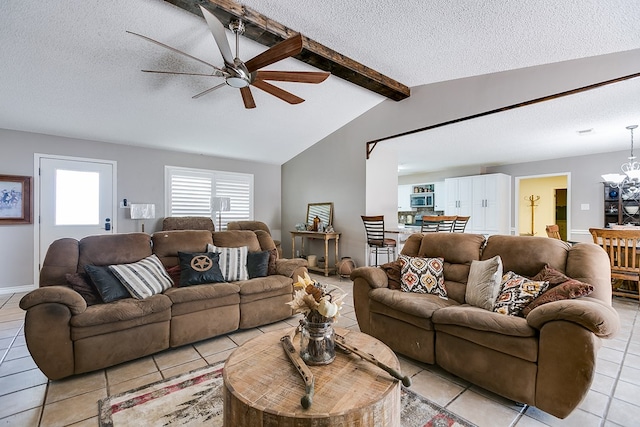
x=293 y=246
x=326 y=256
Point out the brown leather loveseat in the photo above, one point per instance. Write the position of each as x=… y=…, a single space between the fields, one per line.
x=65 y=336
x=545 y=359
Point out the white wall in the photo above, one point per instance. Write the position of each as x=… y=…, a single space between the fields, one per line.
x=341 y=157
x=140 y=178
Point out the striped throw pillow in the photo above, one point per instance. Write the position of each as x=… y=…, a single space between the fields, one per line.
x=143 y=278
x=233 y=262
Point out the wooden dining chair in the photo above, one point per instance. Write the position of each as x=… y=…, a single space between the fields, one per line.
x=460 y=224
x=624 y=254
x=376 y=240
x=553 y=231
x=430 y=224
x=441 y=223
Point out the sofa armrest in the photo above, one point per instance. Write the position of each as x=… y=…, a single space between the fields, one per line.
x=291 y=267
x=375 y=277
x=591 y=313
x=54 y=294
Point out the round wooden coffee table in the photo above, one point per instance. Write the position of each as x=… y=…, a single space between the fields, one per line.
x=262 y=387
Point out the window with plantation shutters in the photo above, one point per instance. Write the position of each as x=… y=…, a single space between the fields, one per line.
x=189 y=192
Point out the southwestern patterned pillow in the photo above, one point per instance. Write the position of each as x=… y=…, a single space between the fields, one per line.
x=422 y=275
x=516 y=292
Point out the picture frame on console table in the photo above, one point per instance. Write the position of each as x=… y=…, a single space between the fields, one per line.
x=15 y=200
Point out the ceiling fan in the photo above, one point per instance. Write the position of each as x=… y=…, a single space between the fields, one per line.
x=240 y=74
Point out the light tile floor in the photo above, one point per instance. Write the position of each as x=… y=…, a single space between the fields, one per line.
x=27 y=398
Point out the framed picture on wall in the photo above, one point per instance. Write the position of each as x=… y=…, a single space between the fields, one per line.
x=15 y=200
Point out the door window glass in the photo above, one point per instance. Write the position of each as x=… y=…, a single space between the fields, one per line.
x=77 y=197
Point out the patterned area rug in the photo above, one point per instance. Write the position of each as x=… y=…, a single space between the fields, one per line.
x=195 y=399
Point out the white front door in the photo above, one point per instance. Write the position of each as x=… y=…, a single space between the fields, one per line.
x=76 y=199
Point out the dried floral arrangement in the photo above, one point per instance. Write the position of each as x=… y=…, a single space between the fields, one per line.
x=319 y=303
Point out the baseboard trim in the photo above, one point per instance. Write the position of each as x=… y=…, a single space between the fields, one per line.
x=17 y=289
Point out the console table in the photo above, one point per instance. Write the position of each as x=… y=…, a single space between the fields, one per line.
x=262 y=388
x=317 y=235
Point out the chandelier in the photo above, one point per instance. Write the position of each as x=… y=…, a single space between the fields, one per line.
x=631 y=170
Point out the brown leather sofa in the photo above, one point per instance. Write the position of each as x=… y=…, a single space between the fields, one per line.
x=546 y=360
x=66 y=337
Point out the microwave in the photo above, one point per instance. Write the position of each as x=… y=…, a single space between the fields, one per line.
x=421 y=200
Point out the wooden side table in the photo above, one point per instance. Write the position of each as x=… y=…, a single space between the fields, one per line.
x=317 y=235
x=262 y=388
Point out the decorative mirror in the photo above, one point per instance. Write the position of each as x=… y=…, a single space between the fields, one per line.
x=324 y=211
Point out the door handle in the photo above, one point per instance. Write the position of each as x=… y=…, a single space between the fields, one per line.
x=107 y=224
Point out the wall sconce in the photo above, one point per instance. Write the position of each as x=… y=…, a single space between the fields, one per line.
x=143 y=211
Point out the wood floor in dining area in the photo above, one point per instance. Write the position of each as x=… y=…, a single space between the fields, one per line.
x=27 y=398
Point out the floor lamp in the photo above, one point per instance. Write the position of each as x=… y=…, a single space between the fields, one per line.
x=143 y=211
x=221 y=204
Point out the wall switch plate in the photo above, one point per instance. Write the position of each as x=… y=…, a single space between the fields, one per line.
x=585 y=207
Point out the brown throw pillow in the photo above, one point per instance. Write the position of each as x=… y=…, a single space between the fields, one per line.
x=393 y=270
x=79 y=282
x=273 y=256
x=568 y=290
x=551 y=275
x=174 y=273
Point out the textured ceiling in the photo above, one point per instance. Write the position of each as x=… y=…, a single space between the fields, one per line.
x=69 y=68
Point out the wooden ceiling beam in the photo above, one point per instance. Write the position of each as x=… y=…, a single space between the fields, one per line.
x=268 y=32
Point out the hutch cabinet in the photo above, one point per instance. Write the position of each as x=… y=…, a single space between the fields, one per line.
x=621 y=205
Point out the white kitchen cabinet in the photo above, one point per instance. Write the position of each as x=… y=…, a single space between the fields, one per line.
x=439 y=196
x=486 y=198
x=404 y=198
x=458 y=196
x=491 y=211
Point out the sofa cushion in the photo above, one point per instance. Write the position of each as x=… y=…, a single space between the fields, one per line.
x=121 y=310
x=198 y=268
x=166 y=244
x=483 y=285
x=483 y=320
x=260 y=285
x=258 y=264
x=80 y=283
x=191 y=299
x=516 y=292
x=397 y=304
x=108 y=249
x=422 y=275
x=568 y=290
x=237 y=238
x=527 y=255
x=106 y=283
x=143 y=278
x=232 y=262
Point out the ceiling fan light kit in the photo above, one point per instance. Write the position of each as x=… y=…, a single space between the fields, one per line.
x=241 y=75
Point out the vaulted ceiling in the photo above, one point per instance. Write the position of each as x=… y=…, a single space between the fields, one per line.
x=69 y=68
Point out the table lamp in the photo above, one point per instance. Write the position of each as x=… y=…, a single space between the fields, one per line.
x=143 y=211
x=219 y=205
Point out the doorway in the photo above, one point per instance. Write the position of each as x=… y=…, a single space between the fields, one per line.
x=74 y=197
x=542 y=200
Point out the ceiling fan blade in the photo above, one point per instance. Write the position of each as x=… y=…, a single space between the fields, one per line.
x=208 y=91
x=217 y=29
x=277 y=92
x=173 y=49
x=217 y=74
x=293 y=76
x=247 y=97
x=289 y=47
